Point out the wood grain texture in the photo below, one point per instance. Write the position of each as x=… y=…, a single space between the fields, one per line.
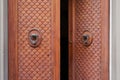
x=26 y=62
x=12 y=42
x=92 y=62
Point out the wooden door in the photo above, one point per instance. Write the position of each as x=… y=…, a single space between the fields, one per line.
x=34 y=39
x=88 y=40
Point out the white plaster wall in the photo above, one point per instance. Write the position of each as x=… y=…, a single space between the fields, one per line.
x=3 y=40
x=116 y=30
x=115 y=40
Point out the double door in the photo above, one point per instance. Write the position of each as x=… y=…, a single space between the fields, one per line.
x=34 y=39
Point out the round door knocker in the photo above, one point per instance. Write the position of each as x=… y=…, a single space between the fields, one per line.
x=87 y=38
x=34 y=37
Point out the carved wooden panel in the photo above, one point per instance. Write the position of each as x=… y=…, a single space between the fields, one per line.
x=27 y=62
x=89 y=62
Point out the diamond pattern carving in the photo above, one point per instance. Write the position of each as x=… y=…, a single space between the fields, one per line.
x=35 y=63
x=87 y=60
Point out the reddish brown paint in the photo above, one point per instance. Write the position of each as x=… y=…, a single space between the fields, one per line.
x=81 y=65
x=14 y=39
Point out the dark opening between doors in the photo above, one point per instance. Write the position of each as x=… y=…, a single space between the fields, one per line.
x=64 y=39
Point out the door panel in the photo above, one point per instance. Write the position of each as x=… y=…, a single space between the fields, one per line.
x=90 y=18
x=41 y=18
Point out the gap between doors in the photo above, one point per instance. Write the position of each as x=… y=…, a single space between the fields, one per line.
x=64 y=40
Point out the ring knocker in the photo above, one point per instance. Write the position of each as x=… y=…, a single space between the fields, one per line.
x=34 y=37
x=87 y=38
